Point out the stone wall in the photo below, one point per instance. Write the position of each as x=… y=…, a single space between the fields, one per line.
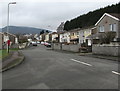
x=65 y=47
x=106 y=50
x=56 y=46
x=74 y=48
x=71 y=47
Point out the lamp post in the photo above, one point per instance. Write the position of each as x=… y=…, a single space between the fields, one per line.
x=8 y=26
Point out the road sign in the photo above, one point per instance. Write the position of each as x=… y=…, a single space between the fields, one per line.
x=8 y=42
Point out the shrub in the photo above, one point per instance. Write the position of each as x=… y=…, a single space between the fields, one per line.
x=107 y=37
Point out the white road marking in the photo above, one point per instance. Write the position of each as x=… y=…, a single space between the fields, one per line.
x=115 y=72
x=39 y=86
x=81 y=62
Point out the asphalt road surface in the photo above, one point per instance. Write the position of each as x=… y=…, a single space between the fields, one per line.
x=47 y=69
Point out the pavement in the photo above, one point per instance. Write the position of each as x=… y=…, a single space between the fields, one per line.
x=113 y=58
x=90 y=54
x=44 y=68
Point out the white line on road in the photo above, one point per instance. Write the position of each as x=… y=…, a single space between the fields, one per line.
x=81 y=62
x=115 y=72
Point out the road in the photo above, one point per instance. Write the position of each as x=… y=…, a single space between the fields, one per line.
x=47 y=69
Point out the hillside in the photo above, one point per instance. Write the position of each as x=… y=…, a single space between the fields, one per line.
x=22 y=30
x=90 y=18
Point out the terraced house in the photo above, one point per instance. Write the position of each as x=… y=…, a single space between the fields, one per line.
x=4 y=38
x=74 y=36
x=47 y=37
x=84 y=34
x=64 y=37
x=55 y=37
x=12 y=38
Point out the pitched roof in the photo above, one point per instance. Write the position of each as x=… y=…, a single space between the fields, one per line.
x=1 y=33
x=75 y=30
x=115 y=16
x=10 y=34
x=54 y=32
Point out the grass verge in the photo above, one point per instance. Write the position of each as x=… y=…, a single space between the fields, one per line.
x=4 y=54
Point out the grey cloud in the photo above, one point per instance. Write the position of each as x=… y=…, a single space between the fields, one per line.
x=42 y=15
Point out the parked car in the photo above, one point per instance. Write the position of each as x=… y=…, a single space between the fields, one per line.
x=47 y=44
x=34 y=43
x=42 y=43
x=38 y=42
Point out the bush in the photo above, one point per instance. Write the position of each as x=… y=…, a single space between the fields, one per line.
x=107 y=37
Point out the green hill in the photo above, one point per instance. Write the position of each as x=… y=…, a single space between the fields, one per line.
x=23 y=30
x=90 y=18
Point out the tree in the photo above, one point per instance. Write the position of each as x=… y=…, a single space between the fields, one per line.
x=90 y=18
x=66 y=26
x=42 y=32
x=47 y=31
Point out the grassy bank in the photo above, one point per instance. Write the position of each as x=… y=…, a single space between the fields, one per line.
x=3 y=53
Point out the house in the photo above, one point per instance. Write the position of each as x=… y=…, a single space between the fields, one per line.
x=85 y=36
x=64 y=37
x=13 y=38
x=1 y=40
x=61 y=36
x=60 y=28
x=36 y=37
x=74 y=36
x=81 y=36
x=50 y=37
x=42 y=37
x=47 y=37
x=87 y=32
x=109 y=23
x=93 y=37
x=55 y=37
x=108 y=35
x=5 y=36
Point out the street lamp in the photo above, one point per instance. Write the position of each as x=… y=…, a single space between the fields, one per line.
x=8 y=26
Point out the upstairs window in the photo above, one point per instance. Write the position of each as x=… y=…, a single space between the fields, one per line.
x=112 y=27
x=101 y=28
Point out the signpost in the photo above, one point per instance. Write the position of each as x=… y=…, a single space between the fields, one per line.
x=8 y=44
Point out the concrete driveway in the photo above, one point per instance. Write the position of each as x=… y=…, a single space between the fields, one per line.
x=47 y=69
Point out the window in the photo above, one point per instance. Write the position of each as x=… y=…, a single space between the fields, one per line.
x=101 y=28
x=112 y=27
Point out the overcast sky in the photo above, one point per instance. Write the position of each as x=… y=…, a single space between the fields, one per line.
x=47 y=14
